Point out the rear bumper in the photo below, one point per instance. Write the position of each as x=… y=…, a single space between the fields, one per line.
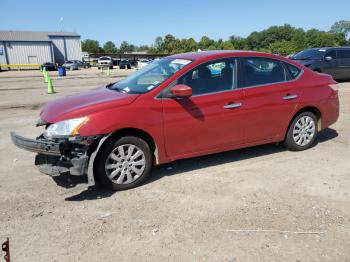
x=330 y=111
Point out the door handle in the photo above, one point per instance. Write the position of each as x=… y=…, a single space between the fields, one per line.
x=290 y=97
x=232 y=105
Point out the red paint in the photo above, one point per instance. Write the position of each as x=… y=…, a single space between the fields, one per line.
x=200 y=125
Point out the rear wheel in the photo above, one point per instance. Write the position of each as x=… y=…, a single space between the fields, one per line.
x=302 y=132
x=123 y=163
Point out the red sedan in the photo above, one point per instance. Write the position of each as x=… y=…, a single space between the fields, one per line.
x=182 y=106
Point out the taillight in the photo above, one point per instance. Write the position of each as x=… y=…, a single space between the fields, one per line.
x=334 y=88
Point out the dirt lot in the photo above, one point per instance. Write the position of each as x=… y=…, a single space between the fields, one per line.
x=256 y=204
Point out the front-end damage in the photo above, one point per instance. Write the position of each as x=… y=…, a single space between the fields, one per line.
x=67 y=155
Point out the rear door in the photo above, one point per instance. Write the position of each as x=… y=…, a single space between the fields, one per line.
x=271 y=97
x=344 y=63
x=332 y=67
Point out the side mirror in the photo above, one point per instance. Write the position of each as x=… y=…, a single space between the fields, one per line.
x=328 y=58
x=181 y=91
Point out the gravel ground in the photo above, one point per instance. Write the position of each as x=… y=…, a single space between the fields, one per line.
x=255 y=204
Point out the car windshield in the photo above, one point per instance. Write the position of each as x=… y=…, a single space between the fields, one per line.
x=105 y=58
x=309 y=54
x=150 y=76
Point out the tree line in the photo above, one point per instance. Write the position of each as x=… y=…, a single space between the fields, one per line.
x=282 y=40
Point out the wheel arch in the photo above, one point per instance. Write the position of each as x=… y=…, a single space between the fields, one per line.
x=137 y=133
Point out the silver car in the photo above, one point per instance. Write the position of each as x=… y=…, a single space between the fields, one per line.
x=73 y=64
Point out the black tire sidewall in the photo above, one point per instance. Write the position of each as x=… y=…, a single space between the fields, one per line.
x=289 y=141
x=107 y=148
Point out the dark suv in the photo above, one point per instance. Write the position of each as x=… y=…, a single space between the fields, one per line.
x=330 y=60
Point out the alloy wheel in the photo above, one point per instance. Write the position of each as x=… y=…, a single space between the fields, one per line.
x=304 y=130
x=125 y=164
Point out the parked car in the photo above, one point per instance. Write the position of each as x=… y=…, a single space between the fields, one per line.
x=124 y=64
x=86 y=64
x=330 y=60
x=75 y=65
x=105 y=61
x=142 y=63
x=48 y=66
x=182 y=106
x=72 y=65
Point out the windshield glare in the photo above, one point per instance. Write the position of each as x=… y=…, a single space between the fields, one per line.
x=150 y=76
x=310 y=54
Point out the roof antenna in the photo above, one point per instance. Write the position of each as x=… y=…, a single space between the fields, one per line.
x=61 y=24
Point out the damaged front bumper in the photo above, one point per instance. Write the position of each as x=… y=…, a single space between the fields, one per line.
x=70 y=155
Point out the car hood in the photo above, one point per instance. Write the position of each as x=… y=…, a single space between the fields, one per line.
x=85 y=103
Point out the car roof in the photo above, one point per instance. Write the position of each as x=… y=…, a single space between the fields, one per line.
x=204 y=55
x=328 y=48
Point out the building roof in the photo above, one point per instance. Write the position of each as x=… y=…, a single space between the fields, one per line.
x=32 y=35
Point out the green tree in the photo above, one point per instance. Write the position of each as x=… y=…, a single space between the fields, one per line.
x=205 y=43
x=341 y=27
x=282 y=48
x=109 y=47
x=238 y=43
x=169 y=44
x=125 y=47
x=90 y=46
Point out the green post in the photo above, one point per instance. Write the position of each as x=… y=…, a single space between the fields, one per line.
x=108 y=71
x=46 y=76
x=50 y=89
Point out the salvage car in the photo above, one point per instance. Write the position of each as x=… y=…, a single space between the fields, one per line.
x=182 y=106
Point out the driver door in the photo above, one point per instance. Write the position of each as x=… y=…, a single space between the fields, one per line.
x=212 y=119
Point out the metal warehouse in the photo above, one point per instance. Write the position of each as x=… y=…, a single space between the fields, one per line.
x=25 y=47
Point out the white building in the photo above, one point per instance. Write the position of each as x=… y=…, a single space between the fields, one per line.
x=26 y=47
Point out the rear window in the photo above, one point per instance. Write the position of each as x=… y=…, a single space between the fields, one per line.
x=294 y=71
x=343 y=53
x=261 y=71
x=309 y=54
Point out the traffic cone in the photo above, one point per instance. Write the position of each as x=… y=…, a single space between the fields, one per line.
x=50 y=89
x=46 y=76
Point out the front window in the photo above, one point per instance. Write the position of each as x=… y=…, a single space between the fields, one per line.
x=309 y=54
x=212 y=77
x=150 y=76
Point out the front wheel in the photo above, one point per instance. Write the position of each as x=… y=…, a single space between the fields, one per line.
x=123 y=163
x=302 y=132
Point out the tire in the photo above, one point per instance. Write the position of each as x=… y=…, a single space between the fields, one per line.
x=111 y=163
x=111 y=67
x=302 y=132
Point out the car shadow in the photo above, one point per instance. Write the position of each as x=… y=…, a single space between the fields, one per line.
x=185 y=165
